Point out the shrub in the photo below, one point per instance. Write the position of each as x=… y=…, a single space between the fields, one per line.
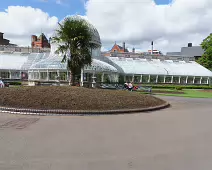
x=14 y=83
x=178 y=88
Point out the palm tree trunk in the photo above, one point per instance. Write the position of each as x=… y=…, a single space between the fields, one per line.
x=72 y=79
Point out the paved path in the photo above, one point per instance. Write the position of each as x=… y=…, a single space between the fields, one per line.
x=177 y=138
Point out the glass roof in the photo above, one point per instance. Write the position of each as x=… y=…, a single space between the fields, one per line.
x=55 y=63
x=159 y=67
x=50 y=63
x=36 y=61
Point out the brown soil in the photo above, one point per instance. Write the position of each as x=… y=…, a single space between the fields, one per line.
x=74 y=98
x=210 y=91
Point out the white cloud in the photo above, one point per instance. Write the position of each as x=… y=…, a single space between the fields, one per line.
x=138 y=22
x=19 y=23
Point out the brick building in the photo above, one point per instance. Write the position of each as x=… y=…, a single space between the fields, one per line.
x=119 y=49
x=40 y=42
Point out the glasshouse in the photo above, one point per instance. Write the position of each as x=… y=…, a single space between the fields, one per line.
x=48 y=67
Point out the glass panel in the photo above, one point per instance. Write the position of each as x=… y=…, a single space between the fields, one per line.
x=145 y=78
x=190 y=80
x=197 y=80
x=5 y=75
x=43 y=75
x=36 y=75
x=98 y=77
x=183 y=80
x=121 y=79
x=175 y=79
x=128 y=78
x=168 y=79
x=106 y=78
x=137 y=79
x=204 y=80
x=86 y=77
x=15 y=75
x=153 y=79
x=52 y=75
x=63 y=76
x=160 y=79
x=30 y=75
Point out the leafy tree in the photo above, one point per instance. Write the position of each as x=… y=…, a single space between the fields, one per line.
x=74 y=37
x=206 y=59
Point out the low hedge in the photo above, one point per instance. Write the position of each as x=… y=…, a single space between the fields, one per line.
x=172 y=86
x=14 y=83
x=179 y=86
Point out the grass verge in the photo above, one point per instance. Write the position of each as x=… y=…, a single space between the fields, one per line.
x=191 y=94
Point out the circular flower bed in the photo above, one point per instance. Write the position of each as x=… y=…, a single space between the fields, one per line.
x=74 y=98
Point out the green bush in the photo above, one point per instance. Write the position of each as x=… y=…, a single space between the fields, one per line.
x=168 y=86
x=14 y=83
x=178 y=88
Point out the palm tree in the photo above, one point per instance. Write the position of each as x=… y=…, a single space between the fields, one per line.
x=74 y=37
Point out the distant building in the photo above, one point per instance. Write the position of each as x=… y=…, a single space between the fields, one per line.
x=40 y=42
x=119 y=49
x=4 y=41
x=189 y=51
x=154 y=52
x=122 y=51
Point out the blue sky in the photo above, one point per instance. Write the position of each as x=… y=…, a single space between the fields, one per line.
x=66 y=7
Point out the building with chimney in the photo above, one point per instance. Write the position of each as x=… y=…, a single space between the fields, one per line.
x=118 y=48
x=3 y=41
x=40 y=42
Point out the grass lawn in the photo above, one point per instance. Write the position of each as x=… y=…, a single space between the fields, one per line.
x=191 y=93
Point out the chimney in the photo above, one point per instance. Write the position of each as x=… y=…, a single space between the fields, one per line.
x=133 y=50
x=124 y=46
x=34 y=38
x=1 y=35
x=189 y=44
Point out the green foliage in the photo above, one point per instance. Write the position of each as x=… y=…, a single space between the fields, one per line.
x=107 y=80
x=206 y=59
x=75 y=43
x=14 y=83
x=178 y=87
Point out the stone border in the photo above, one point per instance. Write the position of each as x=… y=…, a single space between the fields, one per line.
x=61 y=112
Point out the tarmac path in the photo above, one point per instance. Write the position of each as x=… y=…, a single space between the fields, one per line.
x=177 y=138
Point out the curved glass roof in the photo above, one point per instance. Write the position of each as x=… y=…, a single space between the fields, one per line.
x=100 y=66
x=54 y=63
x=94 y=31
x=159 y=67
x=36 y=61
x=50 y=63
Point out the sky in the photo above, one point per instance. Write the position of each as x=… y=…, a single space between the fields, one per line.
x=170 y=24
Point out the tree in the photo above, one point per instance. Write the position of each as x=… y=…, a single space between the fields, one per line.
x=74 y=37
x=206 y=59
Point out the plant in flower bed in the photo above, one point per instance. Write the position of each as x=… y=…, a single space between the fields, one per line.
x=74 y=98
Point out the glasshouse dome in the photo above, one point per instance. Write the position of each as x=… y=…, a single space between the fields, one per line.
x=47 y=67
